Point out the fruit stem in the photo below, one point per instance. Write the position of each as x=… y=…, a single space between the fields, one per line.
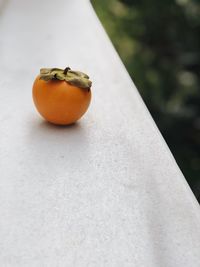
x=76 y=78
x=66 y=70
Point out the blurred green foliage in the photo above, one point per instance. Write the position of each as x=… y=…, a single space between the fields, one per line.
x=159 y=43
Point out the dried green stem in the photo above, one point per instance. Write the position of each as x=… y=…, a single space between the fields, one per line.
x=66 y=70
x=75 y=78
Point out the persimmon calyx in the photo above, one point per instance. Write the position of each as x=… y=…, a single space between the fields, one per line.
x=75 y=78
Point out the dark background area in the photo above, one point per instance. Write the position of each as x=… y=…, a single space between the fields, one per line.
x=159 y=43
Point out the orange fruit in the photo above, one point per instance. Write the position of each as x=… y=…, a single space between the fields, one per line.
x=61 y=96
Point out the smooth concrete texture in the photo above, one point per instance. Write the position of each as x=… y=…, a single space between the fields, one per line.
x=103 y=192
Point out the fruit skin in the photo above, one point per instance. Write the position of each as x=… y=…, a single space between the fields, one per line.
x=59 y=102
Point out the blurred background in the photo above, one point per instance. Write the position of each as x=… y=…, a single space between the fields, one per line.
x=159 y=43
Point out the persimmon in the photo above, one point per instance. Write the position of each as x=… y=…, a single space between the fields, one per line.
x=61 y=96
